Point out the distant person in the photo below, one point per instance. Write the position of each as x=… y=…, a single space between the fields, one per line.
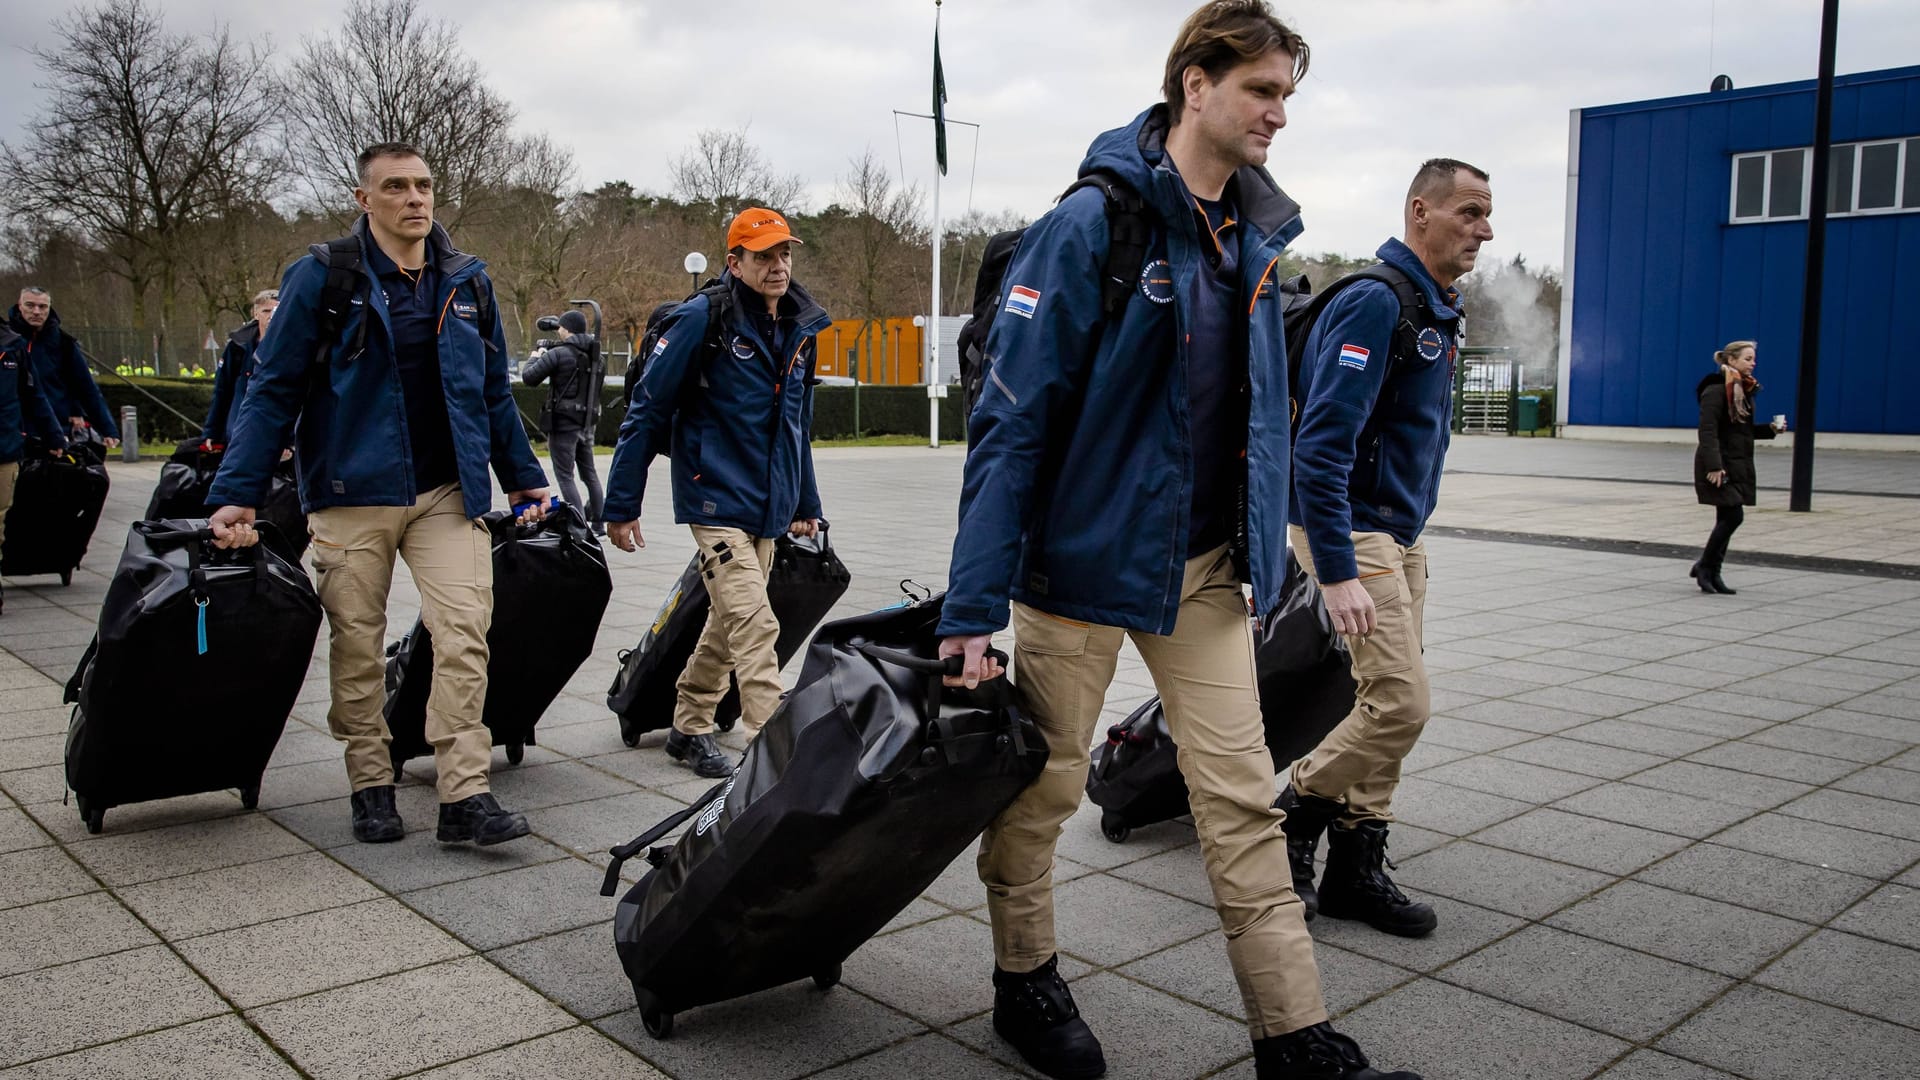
x=569 y=367
x=22 y=409
x=1375 y=392
x=60 y=368
x=1723 y=473
x=399 y=407
x=741 y=417
x=235 y=368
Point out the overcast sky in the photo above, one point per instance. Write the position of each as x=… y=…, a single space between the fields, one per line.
x=628 y=82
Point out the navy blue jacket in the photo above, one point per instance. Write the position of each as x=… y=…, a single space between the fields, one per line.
x=1372 y=435
x=22 y=406
x=351 y=441
x=742 y=421
x=1079 y=481
x=230 y=382
x=62 y=373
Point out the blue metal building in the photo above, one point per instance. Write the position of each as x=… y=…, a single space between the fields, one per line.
x=1686 y=229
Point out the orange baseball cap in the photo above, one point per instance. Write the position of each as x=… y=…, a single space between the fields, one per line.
x=757 y=229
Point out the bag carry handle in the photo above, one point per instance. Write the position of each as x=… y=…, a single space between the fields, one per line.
x=930 y=733
x=640 y=843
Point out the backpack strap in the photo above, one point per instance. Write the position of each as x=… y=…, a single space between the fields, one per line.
x=1130 y=232
x=343 y=259
x=719 y=296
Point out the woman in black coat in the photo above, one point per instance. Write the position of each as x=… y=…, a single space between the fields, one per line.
x=1723 y=475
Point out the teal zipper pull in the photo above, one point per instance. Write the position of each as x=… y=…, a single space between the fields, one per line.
x=201 y=603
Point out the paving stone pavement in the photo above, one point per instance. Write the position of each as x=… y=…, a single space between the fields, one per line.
x=1669 y=836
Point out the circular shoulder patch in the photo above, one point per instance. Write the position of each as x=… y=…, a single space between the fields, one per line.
x=1156 y=281
x=742 y=348
x=1431 y=344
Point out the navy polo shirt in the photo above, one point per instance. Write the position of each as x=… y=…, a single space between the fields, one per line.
x=413 y=307
x=1216 y=369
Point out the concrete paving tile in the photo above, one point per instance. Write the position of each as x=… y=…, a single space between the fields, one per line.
x=18 y=831
x=43 y=873
x=307 y=782
x=1680 y=716
x=516 y=905
x=1511 y=779
x=537 y=787
x=1085 y=926
x=1856 y=973
x=1567 y=700
x=1752 y=757
x=914 y=914
x=1651 y=808
x=300 y=745
x=1463 y=928
x=1838 y=744
x=26 y=723
x=185 y=849
x=1629 y=686
x=1572 y=755
x=649 y=766
x=1821 y=844
x=1583 y=841
x=1767 y=1035
x=590 y=828
x=1471 y=735
x=1444 y=1031
x=220 y=1048
x=577 y=968
x=1628 y=735
x=584 y=740
x=1181 y=872
x=1451 y=810
x=1706 y=933
x=1198 y=971
x=1780 y=886
x=1653 y=1065
x=98 y=1000
x=183 y=907
x=1863 y=812
x=1502 y=880
x=64 y=823
x=778 y=1030
x=406 y=1022
x=1721 y=785
x=1680 y=674
x=936 y=972
x=1591 y=983
x=1883 y=783
x=29 y=786
x=579 y=1053
x=272 y=961
x=420 y=862
x=1892 y=913
x=61 y=931
x=1871 y=724
x=930 y=1055
x=1190 y=1041
x=1082 y=841
x=33 y=751
x=1426 y=755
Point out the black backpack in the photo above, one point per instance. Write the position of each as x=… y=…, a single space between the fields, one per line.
x=1130 y=230
x=719 y=296
x=1302 y=307
x=343 y=259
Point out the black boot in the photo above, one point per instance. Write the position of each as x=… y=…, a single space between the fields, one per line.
x=1356 y=885
x=1699 y=575
x=481 y=819
x=1713 y=577
x=1315 y=1053
x=375 y=821
x=701 y=753
x=1035 y=1012
x=1307 y=817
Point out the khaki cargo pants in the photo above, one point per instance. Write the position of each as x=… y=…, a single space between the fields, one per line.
x=1204 y=672
x=9 y=476
x=739 y=637
x=1358 y=763
x=451 y=557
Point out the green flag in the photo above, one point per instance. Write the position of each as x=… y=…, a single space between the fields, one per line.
x=939 y=102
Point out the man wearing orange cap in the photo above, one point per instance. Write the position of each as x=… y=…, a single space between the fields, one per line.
x=730 y=378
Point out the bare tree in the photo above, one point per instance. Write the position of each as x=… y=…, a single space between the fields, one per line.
x=144 y=136
x=725 y=170
x=392 y=76
x=529 y=243
x=877 y=242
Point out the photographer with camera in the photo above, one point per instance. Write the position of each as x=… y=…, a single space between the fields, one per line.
x=571 y=368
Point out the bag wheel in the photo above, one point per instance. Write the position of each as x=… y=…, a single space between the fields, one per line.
x=66 y=577
x=516 y=752
x=250 y=797
x=631 y=740
x=727 y=724
x=828 y=979
x=658 y=1023
x=94 y=816
x=1114 y=828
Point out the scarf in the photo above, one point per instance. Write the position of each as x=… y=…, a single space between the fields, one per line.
x=1740 y=391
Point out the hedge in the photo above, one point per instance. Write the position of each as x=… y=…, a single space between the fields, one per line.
x=883 y=410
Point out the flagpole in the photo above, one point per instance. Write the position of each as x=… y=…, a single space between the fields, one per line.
x=933 y=317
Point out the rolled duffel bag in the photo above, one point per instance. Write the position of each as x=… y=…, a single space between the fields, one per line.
x=550 y=588
x=868 y=782
x=56 y=504
x=1135 y=777
x=192 y=673
x=807 y=579
x=185 y=480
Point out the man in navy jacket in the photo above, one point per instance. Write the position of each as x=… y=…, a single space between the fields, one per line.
x=59 y=367
x=235 y=369
x=741 y=412
x=1377 y=402
x=22 y=408
x=1102 y=502
x=401 y=409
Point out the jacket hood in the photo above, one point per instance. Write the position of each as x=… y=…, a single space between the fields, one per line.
x=20 y=325
x=450 y=259
x=1716 y=378
x=583 y=342
x=798 y=304
x=1137 y=154
x=245 y=334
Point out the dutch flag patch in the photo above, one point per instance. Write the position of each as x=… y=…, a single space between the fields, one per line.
x=1023 y=301
x=1353 y=356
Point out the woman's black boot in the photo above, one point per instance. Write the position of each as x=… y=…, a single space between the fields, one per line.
x=1713 y=578
x=1701 y=579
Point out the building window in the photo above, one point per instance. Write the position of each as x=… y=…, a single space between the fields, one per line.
x=1862 y=178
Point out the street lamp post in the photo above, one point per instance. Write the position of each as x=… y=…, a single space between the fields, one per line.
x=696 y=265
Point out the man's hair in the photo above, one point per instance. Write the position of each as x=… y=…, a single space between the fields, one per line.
x=262 y=297
x=1224 y=34
x=383 y=149
x=34 y=290
x=1436 y=177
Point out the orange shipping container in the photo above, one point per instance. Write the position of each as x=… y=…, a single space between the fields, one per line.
x=889 y=352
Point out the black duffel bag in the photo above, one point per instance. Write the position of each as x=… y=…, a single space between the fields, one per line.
x=807 y=579
x=282 y=509
x=550 y=589
x=869 y=781
x=185 y=480
x=198 y=658
x=56 y=505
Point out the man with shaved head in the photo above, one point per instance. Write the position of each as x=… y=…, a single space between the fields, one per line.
x=1375 y=400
